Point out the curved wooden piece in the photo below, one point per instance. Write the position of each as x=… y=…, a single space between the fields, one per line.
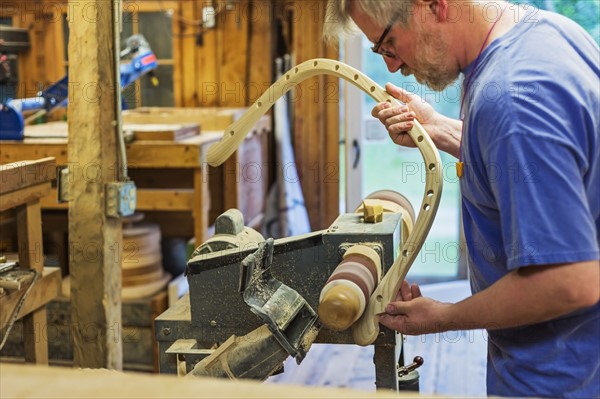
x=366 y=328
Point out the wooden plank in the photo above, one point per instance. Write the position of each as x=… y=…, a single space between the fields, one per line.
x=185 y=154
x=45 y=289
x=262 y=38
x=147 y=200
x=59 y=129
x=316 y=155
x=25 y=195
x=21 y=174
x=95 y=280
x=143 y=154
x=54 y=42
x=232 y=55
x=166 y=200
x=168 y=132
x=209 y=118
x=18 y=383
x=30 y=72
x=14 y=151
x=207 y=67
x=186 y=58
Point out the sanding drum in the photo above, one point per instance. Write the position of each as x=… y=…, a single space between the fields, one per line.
x=347 y=291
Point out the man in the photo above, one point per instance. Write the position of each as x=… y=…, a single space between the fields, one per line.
x=529 y=159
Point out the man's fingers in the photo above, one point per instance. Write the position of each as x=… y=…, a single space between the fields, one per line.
x=391 y=114
x=402 y=139
x=396 y=308
x=378 y=108
x=405 y=291
x=416 y=291
x=399 y=93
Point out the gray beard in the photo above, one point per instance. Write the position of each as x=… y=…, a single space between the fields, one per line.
x=429 y=68
x=435 y=80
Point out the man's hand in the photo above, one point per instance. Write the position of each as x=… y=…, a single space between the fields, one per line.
x=444 y=132
x=413 y=314
x=399 y=120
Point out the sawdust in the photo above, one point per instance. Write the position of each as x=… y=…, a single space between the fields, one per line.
x=309 y=338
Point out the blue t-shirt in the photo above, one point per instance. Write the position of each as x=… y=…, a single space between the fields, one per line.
x=531 y=193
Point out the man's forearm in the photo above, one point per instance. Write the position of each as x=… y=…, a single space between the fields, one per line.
x=530 y=296
x=448 y=137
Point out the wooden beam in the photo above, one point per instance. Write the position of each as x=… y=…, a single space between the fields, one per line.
x=95 y=280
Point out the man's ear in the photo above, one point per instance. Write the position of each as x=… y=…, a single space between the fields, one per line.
x=439 y=8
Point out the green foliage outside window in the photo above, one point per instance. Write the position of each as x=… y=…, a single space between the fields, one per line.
x=585 y=12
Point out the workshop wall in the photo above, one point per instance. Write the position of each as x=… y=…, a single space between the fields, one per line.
x=229 y=64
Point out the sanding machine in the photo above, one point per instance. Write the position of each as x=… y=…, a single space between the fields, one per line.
x=254 y=301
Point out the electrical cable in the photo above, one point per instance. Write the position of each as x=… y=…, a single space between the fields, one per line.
x=117 y=28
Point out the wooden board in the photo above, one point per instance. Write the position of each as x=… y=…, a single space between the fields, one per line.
x=171 y=130
x=58 y=129
x=21 y=174
x=162 y=131
x=209 y=118
x=34 y=382
x=23 y=196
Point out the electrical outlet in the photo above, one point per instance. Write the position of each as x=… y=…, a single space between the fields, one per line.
x=208 y=17
x=120 y=199
x=62 y=184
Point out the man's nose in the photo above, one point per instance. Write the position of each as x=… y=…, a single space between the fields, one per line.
x=393 y=64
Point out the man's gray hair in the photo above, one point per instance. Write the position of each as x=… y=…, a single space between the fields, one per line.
x=338 y=21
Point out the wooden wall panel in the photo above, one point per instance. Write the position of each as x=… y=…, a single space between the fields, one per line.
x=316 y=126
x=228 y=65
x=216 y=67
x=42 y=64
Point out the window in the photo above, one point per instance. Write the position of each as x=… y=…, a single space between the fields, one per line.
x=389 y=166
x=157 y=28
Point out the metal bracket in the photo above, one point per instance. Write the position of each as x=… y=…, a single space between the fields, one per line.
x=285 y=312
x=186 y=353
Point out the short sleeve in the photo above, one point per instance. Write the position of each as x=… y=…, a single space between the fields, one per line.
x=539 y=188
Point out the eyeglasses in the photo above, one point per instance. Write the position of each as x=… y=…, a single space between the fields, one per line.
x=377 y=47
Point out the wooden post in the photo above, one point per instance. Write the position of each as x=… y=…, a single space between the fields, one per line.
x=94 y=240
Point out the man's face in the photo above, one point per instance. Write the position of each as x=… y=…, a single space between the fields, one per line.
x=430 y=64
x=415 y=49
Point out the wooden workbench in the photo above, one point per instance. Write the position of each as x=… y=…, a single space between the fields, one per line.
x=172 y=176
x=22 y=185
